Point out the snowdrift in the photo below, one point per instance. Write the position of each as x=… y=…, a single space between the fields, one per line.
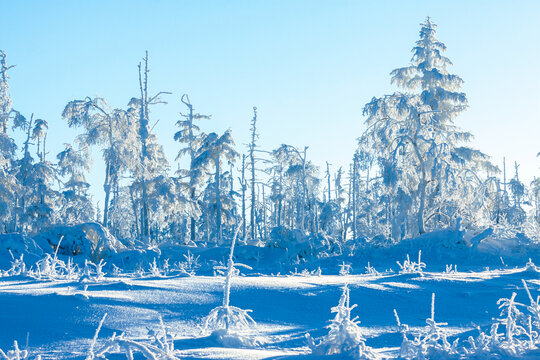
x=89 y=239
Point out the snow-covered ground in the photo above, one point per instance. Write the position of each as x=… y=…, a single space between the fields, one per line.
x=58 y=319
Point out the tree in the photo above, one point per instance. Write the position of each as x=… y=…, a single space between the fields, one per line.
x=427 y=73
x=191 y=135
x=34 y=179
x=72 y=164
x=252 y=146
x=213 y=148
x=111 y=129
x=415 y=143
x=8 y=183
x=152 y=160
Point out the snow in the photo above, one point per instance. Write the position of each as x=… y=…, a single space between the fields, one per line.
x=60 y=317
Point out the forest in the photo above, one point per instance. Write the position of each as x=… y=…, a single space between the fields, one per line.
x=260 y=220
x=411 y=173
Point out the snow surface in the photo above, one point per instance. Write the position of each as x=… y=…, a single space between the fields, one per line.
x=58 y=319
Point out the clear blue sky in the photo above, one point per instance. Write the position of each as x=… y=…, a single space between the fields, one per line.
x=309 y=66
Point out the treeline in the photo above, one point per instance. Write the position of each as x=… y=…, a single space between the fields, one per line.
x=411 y=173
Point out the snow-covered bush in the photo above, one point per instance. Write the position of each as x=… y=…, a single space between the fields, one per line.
x=534 y=307
x=410 y=267
x=159 y=345
x=430 y=343
x=370 y=270
x=191 y=263
x=345 y=269
x=159 y=271
x=18 y=267
x=345 y=336
x=93 y=272
x=449 y=269
x=16 y=354
x=520 y=335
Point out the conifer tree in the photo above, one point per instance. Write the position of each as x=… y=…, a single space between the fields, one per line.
x=213 y=150
x=190 y=134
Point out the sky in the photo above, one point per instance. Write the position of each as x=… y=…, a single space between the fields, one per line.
x=308 y=66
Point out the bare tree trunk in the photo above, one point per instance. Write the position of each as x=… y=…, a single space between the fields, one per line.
x=354 y=196
x=107 y=189
x=252 y=160
x=328 y=176
x=144 y=134
x=244 y=187
x=218 y=201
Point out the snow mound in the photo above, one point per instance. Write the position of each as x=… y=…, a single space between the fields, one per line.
x=88 y=239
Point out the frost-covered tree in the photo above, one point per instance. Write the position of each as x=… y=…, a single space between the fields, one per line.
x=252 y=164
x=294 y=186
x=8 y=183
x=34 y=178
x=417 y=147
x=152 y=161
x=190 y=134
x=114 y=131
x=77 y=206
x=428 y=75
x=213 y=150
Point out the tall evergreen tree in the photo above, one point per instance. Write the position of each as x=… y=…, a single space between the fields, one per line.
x=214 y=149
x=417 y=146
x=190 y=134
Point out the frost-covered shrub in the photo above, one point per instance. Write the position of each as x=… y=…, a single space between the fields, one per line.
x=93 y=272
x=16 y=354
x=52 y=268
x=159 y=271
x=520 y=331
x=370 y=270
x=430 y=343
x=158 y=345
x=345 y=336
x=411 y=267
x=18 y=267
x=190 y=265
x=534 y=308
x=449 y=269
x=345 y=269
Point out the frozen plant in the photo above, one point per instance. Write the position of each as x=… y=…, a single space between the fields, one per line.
x=534 y=308
x=484 y=345
x=16 y=354
x=409 y=348
x=307 y=273
x=225 y=321
x=450 y=269
x=435 y=339
x=345 y=269
x=139 y=273
x=116 y=270
x=370 y=270
x=345 y=336
x=410 y=267
x=92 y=271
x=161 y=347
x=18 y=267
x=431 y=343
x=530 y=265
x=157 y=271
x=510 y=315
x=192 y=261
x=521 y=332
